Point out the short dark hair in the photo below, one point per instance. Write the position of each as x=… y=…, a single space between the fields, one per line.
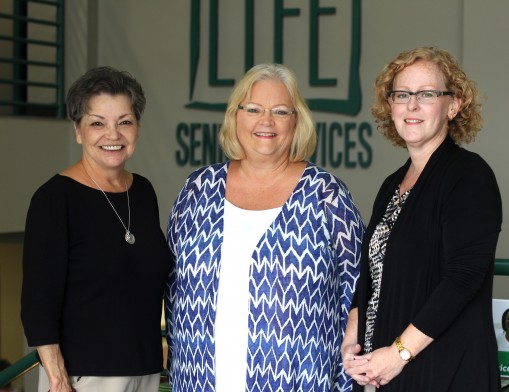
x=103 y=80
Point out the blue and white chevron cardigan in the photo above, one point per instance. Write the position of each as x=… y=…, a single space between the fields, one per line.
x=304 y=270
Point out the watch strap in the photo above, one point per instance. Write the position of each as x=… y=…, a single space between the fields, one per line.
x=402 y=348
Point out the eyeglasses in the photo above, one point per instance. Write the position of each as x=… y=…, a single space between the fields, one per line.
x=254 y=110
x=423 y=96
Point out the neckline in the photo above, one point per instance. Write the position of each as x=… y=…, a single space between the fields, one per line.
x=94 y=189
x=404 y=196
x=230 y=204
x=297 y=187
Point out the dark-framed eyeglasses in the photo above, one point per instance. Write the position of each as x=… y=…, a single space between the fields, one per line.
x=255 y=110
x=423 y=96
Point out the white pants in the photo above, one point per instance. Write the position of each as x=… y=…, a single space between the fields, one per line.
x=149 y=383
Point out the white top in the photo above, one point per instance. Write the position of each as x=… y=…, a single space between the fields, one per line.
x=242 y=231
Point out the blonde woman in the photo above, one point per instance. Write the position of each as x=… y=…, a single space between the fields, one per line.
x=266 y=247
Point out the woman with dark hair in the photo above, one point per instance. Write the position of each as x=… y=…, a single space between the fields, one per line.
x=421 y=318
x=95 y=260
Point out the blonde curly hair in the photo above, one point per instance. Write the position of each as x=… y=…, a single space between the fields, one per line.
x=463 y=127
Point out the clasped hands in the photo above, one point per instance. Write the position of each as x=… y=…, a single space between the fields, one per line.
x=377 y=368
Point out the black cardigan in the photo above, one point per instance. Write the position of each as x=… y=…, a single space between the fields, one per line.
x=438 y=273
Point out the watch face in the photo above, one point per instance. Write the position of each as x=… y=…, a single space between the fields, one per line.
x=405 y=354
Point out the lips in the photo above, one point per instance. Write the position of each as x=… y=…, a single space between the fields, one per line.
x=265 y=134
x=412 y=121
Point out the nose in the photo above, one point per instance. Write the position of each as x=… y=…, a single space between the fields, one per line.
x=412 y=104
x=113 y=132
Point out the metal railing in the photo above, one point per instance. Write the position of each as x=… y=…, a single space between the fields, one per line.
x=32 y=58
x=18 y=369
x=502 y=267
x=30 y=361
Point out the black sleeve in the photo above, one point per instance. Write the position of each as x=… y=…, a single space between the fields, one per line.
x=45 y=258
x=471 y=220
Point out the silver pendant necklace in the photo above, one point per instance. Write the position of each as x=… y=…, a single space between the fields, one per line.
x=129 y=237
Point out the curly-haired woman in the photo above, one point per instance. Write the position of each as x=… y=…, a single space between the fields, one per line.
x=421 y=317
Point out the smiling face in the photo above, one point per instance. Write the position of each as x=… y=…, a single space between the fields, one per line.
x=267 y=137
x=422 y=125
x=108 y=131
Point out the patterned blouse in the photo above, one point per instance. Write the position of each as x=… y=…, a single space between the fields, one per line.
x=303 y=272
x=376 y=255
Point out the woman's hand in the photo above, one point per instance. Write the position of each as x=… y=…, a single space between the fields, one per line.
x=53 y=363
x=354 y=364
x=377 y=368
x=383 y=365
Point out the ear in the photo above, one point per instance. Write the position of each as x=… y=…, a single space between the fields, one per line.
x=77 y=131
x=454 y=107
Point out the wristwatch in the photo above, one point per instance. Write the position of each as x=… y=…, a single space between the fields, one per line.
x=404 y=353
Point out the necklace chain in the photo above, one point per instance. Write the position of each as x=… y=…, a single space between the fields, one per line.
x=129 y=237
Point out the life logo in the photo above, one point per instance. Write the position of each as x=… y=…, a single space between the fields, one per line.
x=318 y=39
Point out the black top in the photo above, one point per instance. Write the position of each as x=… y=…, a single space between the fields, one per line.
x=438 y=273
x=88 y=290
